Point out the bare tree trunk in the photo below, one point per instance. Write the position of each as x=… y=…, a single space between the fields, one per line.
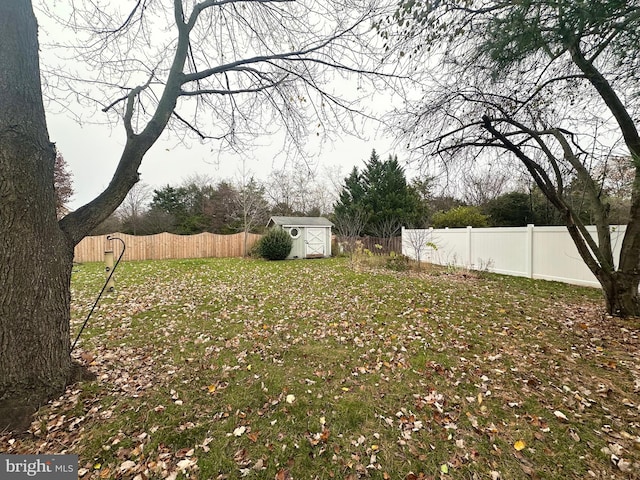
x=35 y=255
x=35 y=362
x=621 y=294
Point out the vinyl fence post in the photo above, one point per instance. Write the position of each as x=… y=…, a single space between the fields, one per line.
x=528 y=246
x=431 y=248
x=469 y=259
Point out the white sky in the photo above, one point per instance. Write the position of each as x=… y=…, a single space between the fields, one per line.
x=92 y=152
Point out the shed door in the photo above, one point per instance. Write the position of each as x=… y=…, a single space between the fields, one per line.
x=315 y=242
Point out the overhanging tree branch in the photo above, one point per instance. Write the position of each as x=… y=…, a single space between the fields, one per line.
x=610 y=98
x=585 y=244
x=272 y=72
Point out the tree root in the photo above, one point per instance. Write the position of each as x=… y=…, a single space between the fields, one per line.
x=16 y=412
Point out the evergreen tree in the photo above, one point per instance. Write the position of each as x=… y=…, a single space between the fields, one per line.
x=382 y=194
x=352 y=195
x=511 y=209
x=186 y=205
x=62 y=183
x=391 y=201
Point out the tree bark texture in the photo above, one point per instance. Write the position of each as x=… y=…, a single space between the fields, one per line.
x=35 y=255
x=621 y=293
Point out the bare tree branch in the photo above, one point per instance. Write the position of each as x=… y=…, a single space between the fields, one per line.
x=257 y=66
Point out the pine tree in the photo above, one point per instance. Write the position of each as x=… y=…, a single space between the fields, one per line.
x=352 y=194
x=382 y=195
x=391 y=201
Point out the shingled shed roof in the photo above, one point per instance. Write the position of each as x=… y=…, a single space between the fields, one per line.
x=299 y=222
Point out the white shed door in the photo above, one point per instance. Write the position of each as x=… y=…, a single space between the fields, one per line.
x=315 y=242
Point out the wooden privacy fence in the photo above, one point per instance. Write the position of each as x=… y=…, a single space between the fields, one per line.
x=376 y=245
x=164 y=246
x=382 y=246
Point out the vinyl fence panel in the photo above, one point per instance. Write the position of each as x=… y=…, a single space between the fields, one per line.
x=535 y=252
x=505 y=253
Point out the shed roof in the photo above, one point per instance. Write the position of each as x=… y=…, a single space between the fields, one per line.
x=299 y=221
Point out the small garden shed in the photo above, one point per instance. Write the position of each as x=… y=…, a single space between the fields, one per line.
x=311 y=235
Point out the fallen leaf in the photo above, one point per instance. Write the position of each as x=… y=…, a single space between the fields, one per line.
x=186 y=463
x=624 y=465
x=127 y=465
x=616 y=449
x=87 y=357
x=283 y=474
x=560 y=415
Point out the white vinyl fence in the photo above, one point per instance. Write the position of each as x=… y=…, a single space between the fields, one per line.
x=546 y=253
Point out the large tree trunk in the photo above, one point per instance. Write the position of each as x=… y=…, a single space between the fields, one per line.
x=620 y=287
x=35 y=255
x=621 y=294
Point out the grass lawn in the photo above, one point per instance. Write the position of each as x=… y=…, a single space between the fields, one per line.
x=231 y=368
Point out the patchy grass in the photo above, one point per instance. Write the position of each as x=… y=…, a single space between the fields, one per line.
x=223 y=369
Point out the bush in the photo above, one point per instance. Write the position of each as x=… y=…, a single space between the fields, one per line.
x=397 y=262
x=254 y=251
x=275 y=244
x=460 y=217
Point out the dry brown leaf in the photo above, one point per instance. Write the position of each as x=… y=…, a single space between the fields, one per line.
x=283 y=474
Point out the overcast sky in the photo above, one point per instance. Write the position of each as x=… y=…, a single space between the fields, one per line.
x=92 y=153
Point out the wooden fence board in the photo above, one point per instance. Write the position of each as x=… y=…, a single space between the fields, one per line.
x=164 y=246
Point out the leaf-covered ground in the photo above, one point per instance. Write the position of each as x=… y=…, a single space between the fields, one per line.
x=229 y=368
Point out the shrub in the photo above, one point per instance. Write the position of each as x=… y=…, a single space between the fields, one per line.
x=338 y=249
x=397 y=262
x=254 y=251
x=460 y=217
x=275 y=244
